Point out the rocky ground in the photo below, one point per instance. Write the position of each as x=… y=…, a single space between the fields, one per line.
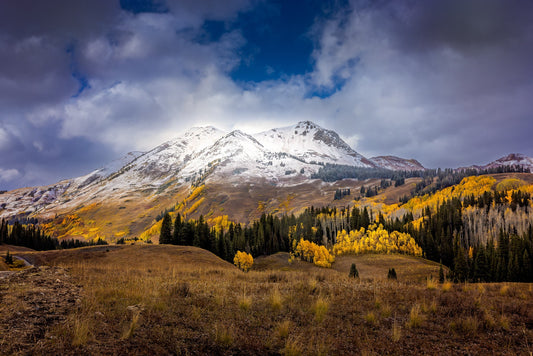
x=32 y=303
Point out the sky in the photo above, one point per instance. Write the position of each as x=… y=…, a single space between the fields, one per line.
x=449 y=83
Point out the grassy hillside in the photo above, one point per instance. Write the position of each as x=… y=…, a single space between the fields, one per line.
x=370 y=266
x=183 y=300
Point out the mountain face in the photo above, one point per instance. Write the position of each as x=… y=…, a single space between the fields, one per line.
x=397 y=164
x=311 y=143
x=513 y=159
x=241 y=172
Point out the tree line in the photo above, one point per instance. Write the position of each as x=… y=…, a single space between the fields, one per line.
x=33 y=237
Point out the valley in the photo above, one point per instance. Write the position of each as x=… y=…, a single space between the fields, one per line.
x=146 y=299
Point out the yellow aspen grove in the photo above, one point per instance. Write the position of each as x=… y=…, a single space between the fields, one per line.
x=375 y=240
x=244 y=261
x=311 y=252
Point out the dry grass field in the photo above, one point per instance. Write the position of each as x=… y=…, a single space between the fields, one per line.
x=183 y=300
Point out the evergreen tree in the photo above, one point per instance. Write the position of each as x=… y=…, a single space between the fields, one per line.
x=481 y=268
x=354 y=273
x=177 y=233
x=392 y=274
x=8 y=258
x=165 y=236
x=441 y=273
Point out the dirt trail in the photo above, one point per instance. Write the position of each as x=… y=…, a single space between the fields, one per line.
x=32 y=302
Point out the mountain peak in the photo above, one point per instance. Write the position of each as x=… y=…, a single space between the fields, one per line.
x=199 y=130
x=512 y=159
x=307 y=124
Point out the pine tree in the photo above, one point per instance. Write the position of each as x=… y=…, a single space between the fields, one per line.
x=481 y=267
x=354 y=273
x=177 y=233
x=441 y=273
x=392 y=274
x=8 y=258
x=165 y=236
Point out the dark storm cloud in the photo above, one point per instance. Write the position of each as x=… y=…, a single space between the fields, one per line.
x=435 y=80
x=82 y=82
x=462 y=25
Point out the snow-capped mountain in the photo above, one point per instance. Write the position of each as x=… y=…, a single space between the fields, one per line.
x=252 y=171
x=513 y=159
x=312 y=143
x=397 y=164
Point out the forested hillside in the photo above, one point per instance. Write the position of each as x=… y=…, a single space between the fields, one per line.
x=480 y=228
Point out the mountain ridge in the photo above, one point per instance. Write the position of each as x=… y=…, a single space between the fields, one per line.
x=265 y=168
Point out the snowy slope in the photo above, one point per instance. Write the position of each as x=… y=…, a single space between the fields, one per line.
x=397 y=164
x=283 y=156
x=312 y=143
x=513 y=159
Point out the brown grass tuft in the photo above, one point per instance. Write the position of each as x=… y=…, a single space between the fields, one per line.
x=415 y=317
x=396 y=331
x=293 y=347
x=446 y=286
x=283 y=329
x=320 y=309
x=80 y=330
x=276 y=301
x=223 y=335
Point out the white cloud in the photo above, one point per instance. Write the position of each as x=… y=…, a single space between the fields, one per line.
x=8 y=174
